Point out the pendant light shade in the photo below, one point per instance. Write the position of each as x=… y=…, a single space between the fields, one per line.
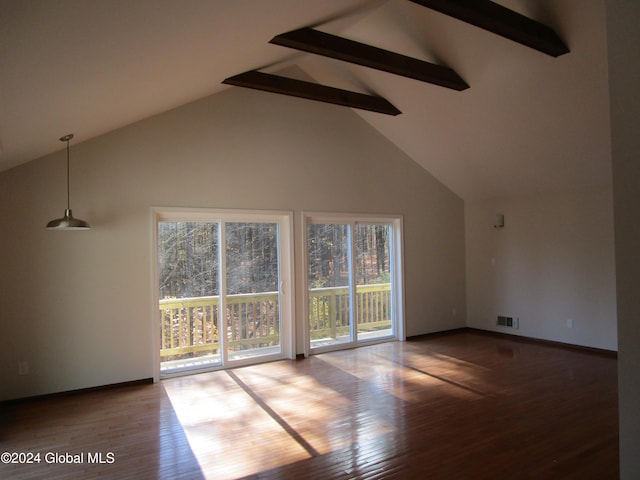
x=67 y=222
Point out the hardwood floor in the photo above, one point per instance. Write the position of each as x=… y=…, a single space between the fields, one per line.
x=464 y=405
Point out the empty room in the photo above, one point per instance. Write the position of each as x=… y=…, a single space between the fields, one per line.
x=337 y=239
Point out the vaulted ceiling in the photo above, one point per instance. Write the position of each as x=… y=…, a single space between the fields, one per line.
x=529 y=122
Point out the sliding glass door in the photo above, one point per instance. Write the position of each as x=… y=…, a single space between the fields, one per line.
x=353 y=280
x=221 y=288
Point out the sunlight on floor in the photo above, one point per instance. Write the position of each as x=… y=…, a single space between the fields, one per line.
x=222 y=411
x=216 y=421
x=458 y=378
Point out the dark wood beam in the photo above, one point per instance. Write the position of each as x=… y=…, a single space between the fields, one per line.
x=312 y=91
x=501 y=21
x=320 y=43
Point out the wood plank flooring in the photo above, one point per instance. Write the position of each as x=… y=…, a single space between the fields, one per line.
x=463 y=405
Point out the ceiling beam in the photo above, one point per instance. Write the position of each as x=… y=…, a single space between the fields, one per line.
x=320 y=43
x=312 y=91
x=501 y=21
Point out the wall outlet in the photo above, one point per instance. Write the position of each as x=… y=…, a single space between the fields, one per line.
x=23 y=368
x=569 y=322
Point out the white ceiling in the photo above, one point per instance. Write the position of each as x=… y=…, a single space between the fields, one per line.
x=529 y=122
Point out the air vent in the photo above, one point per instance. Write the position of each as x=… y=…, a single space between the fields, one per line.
x=507 y=322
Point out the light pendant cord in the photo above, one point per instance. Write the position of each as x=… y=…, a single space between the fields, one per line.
x=66 y=138
x=68 y=188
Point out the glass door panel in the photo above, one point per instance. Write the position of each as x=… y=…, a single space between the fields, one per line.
x=328 y=279
x=252 y=289
x=189 y=295
x=373 y=282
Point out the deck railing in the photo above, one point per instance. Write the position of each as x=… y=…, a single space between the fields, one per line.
x=191 y=326
x=329 y=310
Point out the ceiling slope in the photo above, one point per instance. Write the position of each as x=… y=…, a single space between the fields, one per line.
x=529 y=122
x=91 y=67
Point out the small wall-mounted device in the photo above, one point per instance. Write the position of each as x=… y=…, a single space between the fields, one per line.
x=508 y=321
x=499 y=223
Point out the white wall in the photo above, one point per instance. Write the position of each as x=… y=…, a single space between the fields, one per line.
x=623 y=32
x=77 y=305
x=553 y=261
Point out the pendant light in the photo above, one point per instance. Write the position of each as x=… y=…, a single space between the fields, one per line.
x=68 y=222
